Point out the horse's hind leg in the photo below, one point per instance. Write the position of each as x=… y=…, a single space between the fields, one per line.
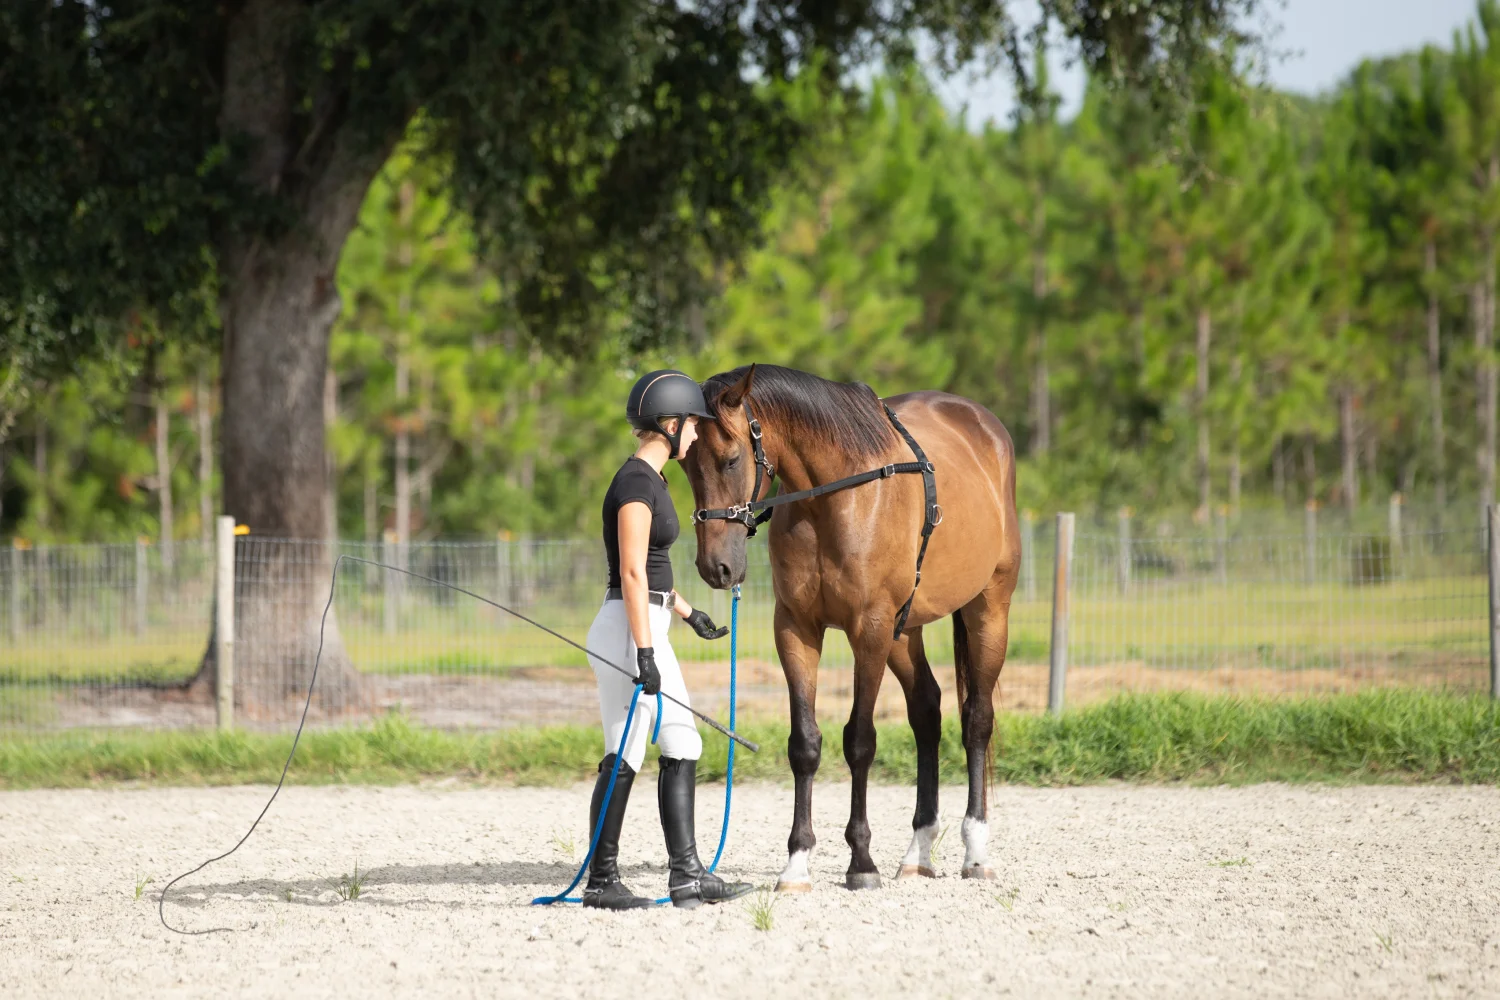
x=980 y=634
x=800 y=646
x=908 y=661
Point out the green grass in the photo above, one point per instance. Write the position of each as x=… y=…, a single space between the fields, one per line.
x=1385 y=735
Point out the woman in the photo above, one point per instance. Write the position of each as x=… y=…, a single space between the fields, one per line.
x=640 y=525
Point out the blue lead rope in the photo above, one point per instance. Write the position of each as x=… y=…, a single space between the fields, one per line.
x=563 y=897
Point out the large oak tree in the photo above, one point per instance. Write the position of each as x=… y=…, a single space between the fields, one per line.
x=204 y=162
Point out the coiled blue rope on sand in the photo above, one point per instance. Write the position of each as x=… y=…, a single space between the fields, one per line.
x=734 y=628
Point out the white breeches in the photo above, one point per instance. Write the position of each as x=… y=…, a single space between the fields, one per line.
x=610 y=636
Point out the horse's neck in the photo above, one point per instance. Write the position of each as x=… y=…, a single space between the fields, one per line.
x=801 y=466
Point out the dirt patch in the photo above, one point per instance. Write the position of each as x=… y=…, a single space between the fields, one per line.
x=1110 y=891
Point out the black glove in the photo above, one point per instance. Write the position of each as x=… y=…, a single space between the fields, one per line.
x=646 y=674
x=704 y=625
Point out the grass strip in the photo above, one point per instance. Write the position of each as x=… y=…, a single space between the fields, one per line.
x=1382 y=735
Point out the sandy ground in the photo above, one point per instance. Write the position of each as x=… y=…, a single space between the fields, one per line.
x=1109 y=891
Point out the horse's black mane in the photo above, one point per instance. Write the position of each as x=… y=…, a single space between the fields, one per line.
x=847 y=415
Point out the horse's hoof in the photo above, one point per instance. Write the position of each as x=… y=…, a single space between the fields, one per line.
x=979 y=871
x=912 y=871
x=793 y=886
x=862 y=880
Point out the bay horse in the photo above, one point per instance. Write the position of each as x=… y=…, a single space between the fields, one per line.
x=846 y=561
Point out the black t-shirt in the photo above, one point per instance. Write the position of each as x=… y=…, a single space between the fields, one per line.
x=636 y=480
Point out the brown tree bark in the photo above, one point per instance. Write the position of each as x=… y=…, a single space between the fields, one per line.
x=330 y=464
x=278 y=302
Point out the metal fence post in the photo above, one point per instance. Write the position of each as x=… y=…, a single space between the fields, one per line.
x=224 y=621
x=1125 y=550
x=1028 y=555
x=1494 y=574
x=1061 y=609
x=1310 y=541
x=141 y=585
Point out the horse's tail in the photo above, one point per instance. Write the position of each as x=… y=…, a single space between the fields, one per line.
x=962 y=663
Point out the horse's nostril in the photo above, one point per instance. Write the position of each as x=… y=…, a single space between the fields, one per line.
x=724 y=574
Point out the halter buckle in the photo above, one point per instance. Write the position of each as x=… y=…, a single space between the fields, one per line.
x=888 y=471
x=938 y=510
x=755 y=429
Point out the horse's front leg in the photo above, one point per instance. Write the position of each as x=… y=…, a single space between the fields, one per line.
x=871 y=647
x=800 y=645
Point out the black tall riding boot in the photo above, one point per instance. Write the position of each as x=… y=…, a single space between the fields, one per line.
x=605 y=890
x=690 y=884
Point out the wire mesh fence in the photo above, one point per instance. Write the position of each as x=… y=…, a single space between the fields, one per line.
x=120 y=636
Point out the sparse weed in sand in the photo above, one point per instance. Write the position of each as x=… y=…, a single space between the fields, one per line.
x=1119 y=907
x=761 y=907
x=288 y=893
x=1386 y=944
x=1007 y=900
x=936 y=851
x=566 y=846
x=1230 y=863
x=141 y=881
x=348 y=887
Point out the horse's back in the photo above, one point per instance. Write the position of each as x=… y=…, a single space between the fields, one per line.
x=957 y=423
x=978 y=541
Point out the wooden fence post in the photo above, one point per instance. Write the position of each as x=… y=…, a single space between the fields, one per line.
x=1494 y=574
x=224 y=620
x=1061 y=607
x=1393 y=523
x=389 y=582
x=1125 y=550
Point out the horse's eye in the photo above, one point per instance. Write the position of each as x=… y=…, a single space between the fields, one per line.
x=731 y=463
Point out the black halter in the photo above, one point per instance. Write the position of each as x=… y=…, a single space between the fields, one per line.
x=756 y=511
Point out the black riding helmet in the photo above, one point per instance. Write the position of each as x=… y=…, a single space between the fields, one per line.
x=662 y=394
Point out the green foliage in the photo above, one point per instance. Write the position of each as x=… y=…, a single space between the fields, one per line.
x=1389 y=735
x=1057 y=271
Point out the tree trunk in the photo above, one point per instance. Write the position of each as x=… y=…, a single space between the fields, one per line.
x=1435 y=378
x=1205 y=484
x=403 y=455
x=39 y=462
x=1349 y=487
x=1487 y=360
x=278 y=301
x=330 y=463
x=1041 y=391
x=164 y=484
x=1234 y=477
x=1278 y=469
x=372 y=511
x=204 y=417
x=1483 y=391
x=1310 y=468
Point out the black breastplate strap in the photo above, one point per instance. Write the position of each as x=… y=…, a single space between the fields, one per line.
x=756 y=511
x=931 y=518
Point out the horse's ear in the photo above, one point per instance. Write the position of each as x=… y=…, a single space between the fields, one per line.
x=732 y=397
